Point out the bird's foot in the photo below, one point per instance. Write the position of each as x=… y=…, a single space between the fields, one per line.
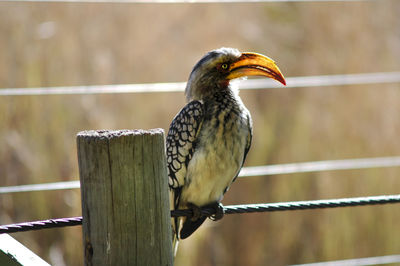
x=219 y=211
x=196 y=212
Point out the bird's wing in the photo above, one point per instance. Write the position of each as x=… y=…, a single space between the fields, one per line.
x=249 y=138
x=180 y=144
x=246 y=148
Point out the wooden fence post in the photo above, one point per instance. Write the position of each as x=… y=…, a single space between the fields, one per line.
x=125 y=202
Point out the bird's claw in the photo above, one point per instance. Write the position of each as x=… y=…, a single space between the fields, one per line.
x=196 y=212
x=219 y=212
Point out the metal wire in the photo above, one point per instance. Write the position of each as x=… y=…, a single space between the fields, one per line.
x=40 y=187
x=276 y=169
x=180 y=1
x=317 y=166
x=357 y=262
x=232 y=209
x=38 y=225
x=292 y=82
x=295 y=205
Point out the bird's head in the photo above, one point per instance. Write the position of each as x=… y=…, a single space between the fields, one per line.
x=217 y=68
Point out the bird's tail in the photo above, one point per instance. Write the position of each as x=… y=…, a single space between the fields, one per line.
x=183 y=227
x=176 y=221
x=190 y=226
x=175 y=234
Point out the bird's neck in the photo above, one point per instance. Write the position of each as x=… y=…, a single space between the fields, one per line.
x=227 y=92
x=225 y=99
x=206 y=91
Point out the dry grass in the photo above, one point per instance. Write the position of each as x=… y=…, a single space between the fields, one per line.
x=77 y=44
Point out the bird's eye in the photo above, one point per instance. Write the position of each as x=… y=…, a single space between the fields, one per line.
x=224 y=66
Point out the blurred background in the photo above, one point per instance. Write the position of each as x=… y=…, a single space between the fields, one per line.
x=65 y=44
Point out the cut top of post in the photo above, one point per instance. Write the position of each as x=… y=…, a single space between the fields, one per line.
x=109 y=134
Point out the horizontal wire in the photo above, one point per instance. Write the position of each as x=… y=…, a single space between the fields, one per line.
x=379 y=260
x=317 y=166
x=40 y=187
x=38 y=225
x=292 y=82
x=250 y=171
x=232 y=209
x=96 y=89
x=181 y=1
x=294 y=205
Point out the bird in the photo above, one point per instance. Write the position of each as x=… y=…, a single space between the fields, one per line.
x=208 y=140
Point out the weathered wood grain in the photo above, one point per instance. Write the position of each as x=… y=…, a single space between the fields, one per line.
x=125 y=202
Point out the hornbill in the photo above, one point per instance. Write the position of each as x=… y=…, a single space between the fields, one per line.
x=209 y=138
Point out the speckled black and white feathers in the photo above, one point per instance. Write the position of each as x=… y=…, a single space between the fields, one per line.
x=181 y=139
x=210 y=137
x=180 y=145
x=206 y=147
x=207 y=141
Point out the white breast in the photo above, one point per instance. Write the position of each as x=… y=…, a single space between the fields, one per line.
x=215 y=163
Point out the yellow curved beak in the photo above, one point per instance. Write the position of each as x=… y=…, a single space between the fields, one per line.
x=253 y=64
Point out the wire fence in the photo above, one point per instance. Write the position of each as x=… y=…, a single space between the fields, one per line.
x=181 y=1
x=317 y=166
x=292 y=82
x=278 y=169
x=252 y=84
x=357 y=262
x=232 y=209
x=39 y=225
x=40 y=187
x=295 y=205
